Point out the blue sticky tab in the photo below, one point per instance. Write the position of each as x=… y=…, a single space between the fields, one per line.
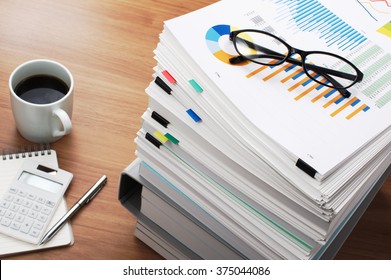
x=196 y=86
x=193 y=115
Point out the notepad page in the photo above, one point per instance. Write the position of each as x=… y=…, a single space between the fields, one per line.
x=8 y=169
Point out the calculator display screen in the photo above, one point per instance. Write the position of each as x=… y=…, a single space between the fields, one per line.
x=40 y=182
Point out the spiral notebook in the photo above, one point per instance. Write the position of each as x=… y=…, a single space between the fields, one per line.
x=10 y=162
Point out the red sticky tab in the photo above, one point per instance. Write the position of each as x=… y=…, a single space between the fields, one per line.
x=169 y=77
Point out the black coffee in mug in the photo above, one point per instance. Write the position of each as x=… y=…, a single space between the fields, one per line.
x=41 y=89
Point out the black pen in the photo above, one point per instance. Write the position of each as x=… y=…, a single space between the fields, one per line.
x=87 y=197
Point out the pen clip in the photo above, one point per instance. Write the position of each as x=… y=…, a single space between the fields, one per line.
x=101 y=185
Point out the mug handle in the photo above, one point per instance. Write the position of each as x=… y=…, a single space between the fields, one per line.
x=65 y=121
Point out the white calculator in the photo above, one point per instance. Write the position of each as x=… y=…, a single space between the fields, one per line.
x=31 y=200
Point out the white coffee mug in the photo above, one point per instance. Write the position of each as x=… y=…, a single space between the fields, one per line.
x=48 y=122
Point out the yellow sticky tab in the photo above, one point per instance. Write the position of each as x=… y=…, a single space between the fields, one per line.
x=160 y=136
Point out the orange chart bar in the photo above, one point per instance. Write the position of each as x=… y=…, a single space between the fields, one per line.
x=316 y=98
x=253 y=73
x=307 y=91
x=343 y=106
x=279 y=70
x=287 y=78
x=332 y=101
x=361 y=108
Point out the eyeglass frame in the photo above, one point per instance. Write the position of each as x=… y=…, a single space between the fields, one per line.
x=303 y=54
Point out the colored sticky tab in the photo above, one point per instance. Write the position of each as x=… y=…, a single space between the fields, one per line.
x=159 y=119
x=193 y=115
x=169 y=77
x=196 y=86
x=153 y=140
x=172 y=138
x=306 y=168
x=163 y=85
x=160 y=136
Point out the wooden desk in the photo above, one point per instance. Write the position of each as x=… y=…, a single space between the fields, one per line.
x=108 y=47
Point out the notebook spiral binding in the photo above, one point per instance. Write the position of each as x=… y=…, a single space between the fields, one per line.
x=24 y=152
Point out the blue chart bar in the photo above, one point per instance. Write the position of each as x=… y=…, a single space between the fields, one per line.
x=312 y=16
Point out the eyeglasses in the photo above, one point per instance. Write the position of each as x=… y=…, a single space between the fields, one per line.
x=325 y=68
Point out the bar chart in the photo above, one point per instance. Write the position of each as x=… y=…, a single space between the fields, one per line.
x=312 y=16
x=300 y=85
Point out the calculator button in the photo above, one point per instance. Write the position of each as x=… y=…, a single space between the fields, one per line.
x=4 y=204
x=22 y=193
x=13 y=190
x=27 y=203
x=41 y=200
x=18 y=200
x=2 y=211
x=50 y=203
x=15 y=225
x=5 y=222
x=9 y=214
x=38 y=225
x=9 y=197
x=34 y=232
x=33 y=214
x=46 y=211
x=31 y=196
x=42 y=218
x=37 y=207
x=26 y=225
x=14 y=207
x=23 y=211
x=19 y=218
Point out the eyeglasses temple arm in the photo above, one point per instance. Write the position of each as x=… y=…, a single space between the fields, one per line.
x=344 y=92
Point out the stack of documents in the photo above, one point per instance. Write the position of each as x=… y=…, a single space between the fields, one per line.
x=258 y=162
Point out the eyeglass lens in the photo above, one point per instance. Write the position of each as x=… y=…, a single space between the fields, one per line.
x=261 y=48
x=345 y=79
x=322 y=67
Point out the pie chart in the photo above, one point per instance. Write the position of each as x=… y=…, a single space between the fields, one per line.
x=213 y=36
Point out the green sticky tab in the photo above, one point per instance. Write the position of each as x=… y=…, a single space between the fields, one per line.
x=196 y=86
x=171 y=138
